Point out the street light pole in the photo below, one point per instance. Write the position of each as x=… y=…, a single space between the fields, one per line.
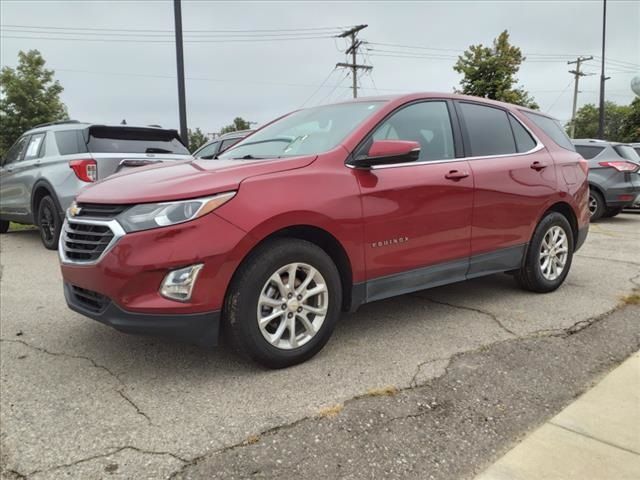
x=602 y=77
x=182 y=105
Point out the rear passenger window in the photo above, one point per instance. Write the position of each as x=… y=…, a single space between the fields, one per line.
x=427 y=123
x=35 y=149
x=524 y=140
x=588 y=152
x=552 y=128
x=70 y=142
x=488 y=129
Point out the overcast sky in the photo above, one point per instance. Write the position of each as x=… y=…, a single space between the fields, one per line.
x=106 y=81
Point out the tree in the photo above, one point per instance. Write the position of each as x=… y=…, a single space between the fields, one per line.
x=238 y=124
x=29 y=95
x=490 y=72
x=196 y=139
x=630 y=131
x=619 y=121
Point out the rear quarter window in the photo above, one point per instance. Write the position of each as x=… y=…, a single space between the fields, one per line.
x=588 y=151
x=552 y=128
x=70 y=142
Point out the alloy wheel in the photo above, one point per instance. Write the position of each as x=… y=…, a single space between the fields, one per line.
x=47 y=223
x=554 y=252
x=593 y=204
x=293 y=305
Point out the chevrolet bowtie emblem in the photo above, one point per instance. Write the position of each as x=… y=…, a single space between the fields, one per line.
x=74 y=210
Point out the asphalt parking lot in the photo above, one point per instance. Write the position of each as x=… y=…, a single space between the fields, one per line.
x=81 y=400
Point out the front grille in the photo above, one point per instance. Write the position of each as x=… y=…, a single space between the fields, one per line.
x=89 y=299
x=84 y=242
x=100 y=210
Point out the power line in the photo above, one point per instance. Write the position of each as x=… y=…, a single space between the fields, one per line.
x=319 y=87
x=559 y=96
x=577 y=73
x=137 y=30
x=109 y=40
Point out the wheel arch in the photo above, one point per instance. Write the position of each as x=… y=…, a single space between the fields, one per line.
x=324 y=240
x=566 y=210
x=41 y=189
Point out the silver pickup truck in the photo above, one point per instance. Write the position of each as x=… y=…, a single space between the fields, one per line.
x=47 y=166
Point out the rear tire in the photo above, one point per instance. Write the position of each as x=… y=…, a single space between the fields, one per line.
x=4 y=226
x=260 y=291
x=549 y=255
x=597 y=205
x=612 y=212
x=49 y=223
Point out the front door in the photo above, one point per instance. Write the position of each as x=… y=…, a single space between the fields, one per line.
x=417 y=216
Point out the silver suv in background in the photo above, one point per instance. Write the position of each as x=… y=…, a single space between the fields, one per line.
x=614 y=176
x=214 y=147
x=47 y=166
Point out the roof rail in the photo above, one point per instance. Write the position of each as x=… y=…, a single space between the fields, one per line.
x=59 y=122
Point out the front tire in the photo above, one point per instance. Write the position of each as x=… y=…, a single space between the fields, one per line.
x=49 y=223
x=4 y=226
x=283 y=303
x=549 y=255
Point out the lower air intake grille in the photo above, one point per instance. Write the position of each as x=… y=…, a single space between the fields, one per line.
x=89 y=299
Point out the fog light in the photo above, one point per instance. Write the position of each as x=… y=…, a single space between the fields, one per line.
x=178 y=284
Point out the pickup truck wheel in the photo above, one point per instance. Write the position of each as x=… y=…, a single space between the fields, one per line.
x=4 y=226
x=549 y=255
x=283 y=303
x=597 y=205
x=49 y=223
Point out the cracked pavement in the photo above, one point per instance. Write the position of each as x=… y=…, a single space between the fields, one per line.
x=81 y=400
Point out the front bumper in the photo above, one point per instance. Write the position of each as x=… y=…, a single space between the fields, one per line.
x=199 y=328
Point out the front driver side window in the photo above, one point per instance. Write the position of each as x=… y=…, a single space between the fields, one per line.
x=15 y=152
x=427 y=123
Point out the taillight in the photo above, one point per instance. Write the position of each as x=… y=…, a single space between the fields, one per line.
x=85 y=170
x=620 y=166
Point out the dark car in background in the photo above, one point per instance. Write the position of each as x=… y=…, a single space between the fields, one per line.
x=614 y=176
x=219 y=144
x=47 y=166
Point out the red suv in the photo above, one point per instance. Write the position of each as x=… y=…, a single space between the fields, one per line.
x=321 y=211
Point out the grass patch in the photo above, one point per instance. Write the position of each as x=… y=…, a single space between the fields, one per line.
x=15 y=227
x=632 y=299
x=330 y=412
x=252 y=439
x=387 y=391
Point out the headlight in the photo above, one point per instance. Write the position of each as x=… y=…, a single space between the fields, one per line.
x=154 y=215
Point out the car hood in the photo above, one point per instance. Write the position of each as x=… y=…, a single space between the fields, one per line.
x=183 y=179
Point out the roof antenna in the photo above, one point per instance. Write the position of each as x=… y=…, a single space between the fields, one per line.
x=123 y=122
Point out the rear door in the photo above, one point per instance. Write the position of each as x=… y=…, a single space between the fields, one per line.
x=514 y=176
x=112 y=146
x=11 y=191
x=417 y=216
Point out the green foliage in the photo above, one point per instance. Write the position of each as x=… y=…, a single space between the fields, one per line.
x=196 y=139
x=490 y=72
x=621 y=122
x=238 y=124
x=29 y=95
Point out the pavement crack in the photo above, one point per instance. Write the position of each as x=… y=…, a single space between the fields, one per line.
x=471 y=309
x=414 y=379
x=95 y=364
x=112 y=451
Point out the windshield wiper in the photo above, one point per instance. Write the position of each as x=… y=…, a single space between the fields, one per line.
x=247 y=157
x=157 y=150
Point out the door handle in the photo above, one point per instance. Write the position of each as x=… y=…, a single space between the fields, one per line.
x=456 y=175
x=537 y=166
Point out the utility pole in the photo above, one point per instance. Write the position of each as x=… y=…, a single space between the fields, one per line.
x=602 y=77
x=353 y=50
x=182 y=104
x=577 y=74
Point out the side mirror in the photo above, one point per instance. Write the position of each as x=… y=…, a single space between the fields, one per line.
x=388 y=152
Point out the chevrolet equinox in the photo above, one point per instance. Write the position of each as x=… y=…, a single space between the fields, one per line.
x=323 y=210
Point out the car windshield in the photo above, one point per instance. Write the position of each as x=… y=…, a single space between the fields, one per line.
x=305 y=132
x=627 y=151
